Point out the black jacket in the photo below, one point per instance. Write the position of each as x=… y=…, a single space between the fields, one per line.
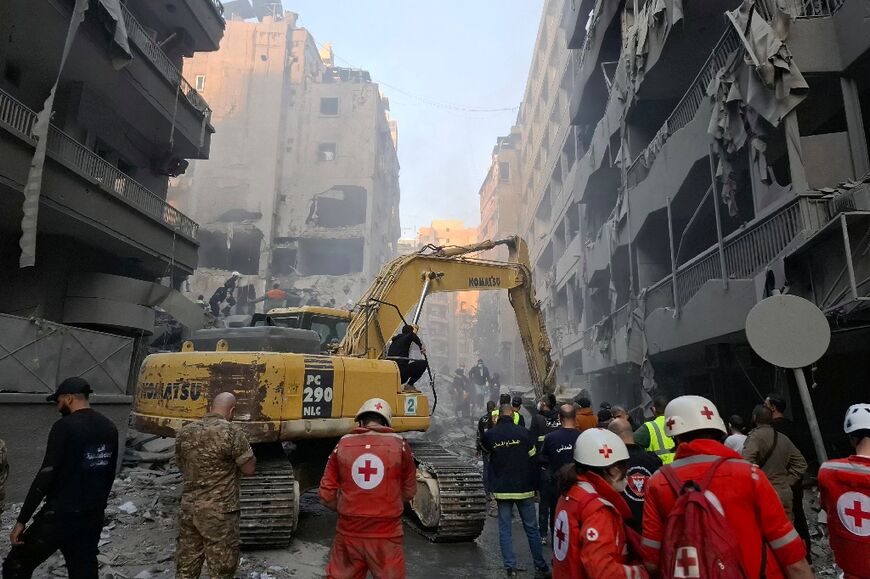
x=78 y=469
x=641 y=466
x=400 y=345
x=512 y=471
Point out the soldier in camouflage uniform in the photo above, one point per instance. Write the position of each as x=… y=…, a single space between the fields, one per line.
x=4 y=474
x=213 y=454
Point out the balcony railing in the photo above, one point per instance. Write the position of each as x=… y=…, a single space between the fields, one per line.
x=688 y=106
x=799 y=8
x=747 y=252
x=20 y=119
x=161 y=62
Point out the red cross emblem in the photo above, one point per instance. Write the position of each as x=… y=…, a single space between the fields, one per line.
x=670 y=423
x=686 y=564
x=854 y=510
x=708 y=413
x=560 y=536
x=368 y=470
x=379 y=406
x=605 y=451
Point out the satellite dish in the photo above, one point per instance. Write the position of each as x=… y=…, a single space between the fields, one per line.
x=788 y=331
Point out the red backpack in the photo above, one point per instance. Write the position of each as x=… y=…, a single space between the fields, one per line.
x=698 y=540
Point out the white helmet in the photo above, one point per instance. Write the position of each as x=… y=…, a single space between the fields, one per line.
x=689 y=413
x=378 y=406
x=599 y=447
x=236 y=274
x=857 y=418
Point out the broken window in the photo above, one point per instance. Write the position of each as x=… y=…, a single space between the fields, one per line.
x=244 y=251
x=329 y=106
x=200 y=82
x=340 y=206
x=326 y=152
x=237 y=249
x=504 y=171
x=212 y=248
x=330 y=256
x=284 y=261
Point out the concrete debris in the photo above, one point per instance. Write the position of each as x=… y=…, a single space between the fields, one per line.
x=128 y=508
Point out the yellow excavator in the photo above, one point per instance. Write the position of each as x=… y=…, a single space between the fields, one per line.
x=294 y=402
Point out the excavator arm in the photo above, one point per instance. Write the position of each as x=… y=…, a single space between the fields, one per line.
x=400 y=290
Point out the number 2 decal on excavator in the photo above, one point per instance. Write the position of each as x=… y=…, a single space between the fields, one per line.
x=410 y=406
x=317 y=389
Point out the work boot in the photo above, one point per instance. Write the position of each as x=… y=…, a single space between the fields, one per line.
x=543 y=574
x=511 y=573
x=410 y=389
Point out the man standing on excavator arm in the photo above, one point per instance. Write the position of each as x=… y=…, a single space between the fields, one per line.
x=400 y=351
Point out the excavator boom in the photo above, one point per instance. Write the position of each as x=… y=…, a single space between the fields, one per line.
x=400 y=290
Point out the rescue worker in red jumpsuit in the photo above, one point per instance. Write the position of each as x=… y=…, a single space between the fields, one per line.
x=748 y=501
x=369 y=476
x=589 y=531
x=845 y=496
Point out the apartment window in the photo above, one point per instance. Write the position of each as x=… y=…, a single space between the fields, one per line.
x=200 y=82
x=504 y=171
x=326 y=152
x=329 y=106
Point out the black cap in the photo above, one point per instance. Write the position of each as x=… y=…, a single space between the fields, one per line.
x=74 y=385
x=517 y=401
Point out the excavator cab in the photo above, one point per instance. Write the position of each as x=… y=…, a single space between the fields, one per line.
x=329 y=323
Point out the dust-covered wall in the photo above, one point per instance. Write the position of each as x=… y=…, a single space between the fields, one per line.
x=303 y=181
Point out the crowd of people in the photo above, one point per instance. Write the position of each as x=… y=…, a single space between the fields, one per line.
x=681 y=495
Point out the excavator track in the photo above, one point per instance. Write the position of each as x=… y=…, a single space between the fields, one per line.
x=270 y=505
x=450 y=506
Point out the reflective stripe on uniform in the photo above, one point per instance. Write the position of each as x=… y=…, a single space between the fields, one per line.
x=845 y=466
x=784 y=540
x=513 y=496
x=540 y=439
x=532 y=451
x=701 y=458
x=650 y=543
x=658 y=444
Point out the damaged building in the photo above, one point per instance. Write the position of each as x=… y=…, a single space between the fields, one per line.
x=92 y=95
x=680 y=161
x=303 y=185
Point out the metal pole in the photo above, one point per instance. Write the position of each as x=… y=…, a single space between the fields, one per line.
x=847 y=245
x=623 y=140
x=673 y=260
x=423 y=295
x=722 y=266
x=811 y=414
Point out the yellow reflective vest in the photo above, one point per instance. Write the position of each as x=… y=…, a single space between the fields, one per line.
x=495 y=417
x=659 y=443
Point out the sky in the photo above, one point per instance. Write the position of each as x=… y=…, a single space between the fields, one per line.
x=469 y=54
